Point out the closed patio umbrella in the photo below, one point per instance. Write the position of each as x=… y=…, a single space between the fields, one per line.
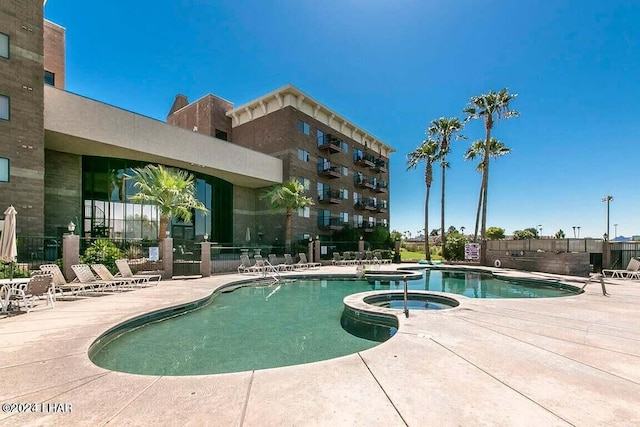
x=248 y=236
x=8 y=248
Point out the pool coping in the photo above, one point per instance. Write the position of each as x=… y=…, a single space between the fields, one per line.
x=585 y=376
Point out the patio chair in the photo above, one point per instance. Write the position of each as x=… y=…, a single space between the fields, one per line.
x=61 y=284
x=631 y=272
x=358 y=260
x=259 y=266
x=288 y=259
x=303 y=260
x=245 y=264
x=347 y=259
x=40 y=284
x=378 y=255
x=279 y=266
x=103 y=272
x=86 y=276
x=125 y=271
x=370 y=259
x=337 y=260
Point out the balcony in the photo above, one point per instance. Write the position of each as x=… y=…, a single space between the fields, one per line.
x=370 y=205
x=382 y=207
x=359 y=205
x=371 y=183
x=365 y=226
x=379 y=165
x=363 y=181
x=382 y=187
x=365 y=160
x=330 y=144
x=329 y=170
x=330 y=196
x=331 y=223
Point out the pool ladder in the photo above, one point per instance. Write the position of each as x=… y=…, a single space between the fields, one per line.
x=406 y=307
x=272 y=272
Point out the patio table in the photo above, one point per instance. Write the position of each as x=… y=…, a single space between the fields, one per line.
x=7 y=286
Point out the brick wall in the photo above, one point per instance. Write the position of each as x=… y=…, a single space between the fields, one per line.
x=63 y=191
x=54 y=52
x=207 y=114
x=22 y=136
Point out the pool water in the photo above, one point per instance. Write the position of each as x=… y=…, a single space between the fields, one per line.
x=478 y=285
x=249 y=328
x=272 y=326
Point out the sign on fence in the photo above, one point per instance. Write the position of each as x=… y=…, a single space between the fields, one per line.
x=154 y=253
x=472 y=251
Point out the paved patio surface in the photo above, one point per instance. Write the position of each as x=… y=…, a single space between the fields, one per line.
x=539 y=362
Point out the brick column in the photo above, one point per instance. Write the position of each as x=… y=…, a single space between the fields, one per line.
x=316 y=251
x=166 y=246
x=70 y=254
x=205 y=259
x=361 y=245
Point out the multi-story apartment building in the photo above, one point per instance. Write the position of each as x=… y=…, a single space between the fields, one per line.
x=342 y=167
x=65 y=158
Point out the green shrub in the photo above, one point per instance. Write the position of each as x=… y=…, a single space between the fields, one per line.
x=102 y=251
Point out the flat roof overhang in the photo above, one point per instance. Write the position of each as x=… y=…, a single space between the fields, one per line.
x=79 y=125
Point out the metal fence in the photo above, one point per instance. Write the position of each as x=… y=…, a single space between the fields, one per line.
x=135 y=250
x=622 y=252
x=33 y=251
x=547 y=245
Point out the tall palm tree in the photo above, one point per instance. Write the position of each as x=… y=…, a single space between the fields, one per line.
x=442 y=131
x=490 y=107
x=496 y=149
x=290 y=197
x=427 y=152
x=171 y=190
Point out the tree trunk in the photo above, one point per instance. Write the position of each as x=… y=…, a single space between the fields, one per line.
x=287 y=232
x=427 y=250
x=162 y=229
x=475 y=233
x=443 y=239
x=485 y=177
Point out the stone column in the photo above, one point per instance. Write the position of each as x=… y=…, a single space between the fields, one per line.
x=396 y=249
x=606 y=255
x=166 y=246
x=205 y=259
x=310 y=251
x=316 y=251
x=70 y=254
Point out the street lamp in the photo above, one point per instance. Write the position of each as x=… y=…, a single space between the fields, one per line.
x=607 y=199
x=574 y=231
x=71 y=227
x=578 y=231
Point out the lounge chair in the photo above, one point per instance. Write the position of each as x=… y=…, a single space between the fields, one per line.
x=279 y=266
x=303 y=260
x=86 y=276
x=105 y=275
x=259 y=266
x=245 y=264
x=358 y=260
x=125 y=271
x=378 y=255
x=370 y=259
x=347 y=259
x=337 y=260
x=288 y=259
x=61 y=284
x=632 y=271
x=40 y=284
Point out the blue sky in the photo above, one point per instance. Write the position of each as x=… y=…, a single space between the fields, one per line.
x=393 y=66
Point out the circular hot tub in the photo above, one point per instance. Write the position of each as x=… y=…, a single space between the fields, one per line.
x=415 y=301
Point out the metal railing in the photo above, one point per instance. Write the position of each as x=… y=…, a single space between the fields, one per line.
x=547 y=245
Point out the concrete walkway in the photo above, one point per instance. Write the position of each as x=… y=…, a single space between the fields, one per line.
x=539 y=362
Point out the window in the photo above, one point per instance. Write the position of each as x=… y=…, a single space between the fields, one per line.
x=324 y=217
x=357 y=155
x=303 y=155
x=306 y=183
x=4 y=169
x=303 y=127
x=344 y=193
x=4 y=107
x=344 y=217
x=320 y=136
x=384 y=222
x=49 y=78
x=321 y=187
x=220 y=134
x=357 y=221
x=357 y=197
x=344 y=170
x=344 y=146
x=4 y=45
x=372 y=221
x=304 y=212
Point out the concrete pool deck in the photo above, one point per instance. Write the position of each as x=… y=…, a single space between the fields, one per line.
x=541 y=362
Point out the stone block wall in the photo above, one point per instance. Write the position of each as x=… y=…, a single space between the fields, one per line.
x=62 y=192
x=566 y=263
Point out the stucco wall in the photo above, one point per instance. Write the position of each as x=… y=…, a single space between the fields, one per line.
x=568 y=263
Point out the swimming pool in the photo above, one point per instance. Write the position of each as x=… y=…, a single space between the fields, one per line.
x=260 y=327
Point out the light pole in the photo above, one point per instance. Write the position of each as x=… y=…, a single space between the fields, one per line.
x=540 y=228
x=578 y=231
x=608 y=200
x=615 y=231
x=574 y=231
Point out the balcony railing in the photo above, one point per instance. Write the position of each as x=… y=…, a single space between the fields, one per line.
x=379 y=165
x=382 y=187
x=382 y=206
x=365 y=160
x=330 y=143
x=371 y=204
x=331 y=223
x=371 y=183
x=329 y=170
x=330 y=196
x=364 y=225
x=364 y=181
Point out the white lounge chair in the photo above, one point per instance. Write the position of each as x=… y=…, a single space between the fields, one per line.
x=61 y=284
x=303 y=260
x=632 y=271
x=103 y=272
x=125 y=271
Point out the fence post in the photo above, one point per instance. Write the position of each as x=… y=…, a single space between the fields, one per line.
x=70 y=254
x=606 y=254
x=316 y=251
x=167 y=257
x=205 y=259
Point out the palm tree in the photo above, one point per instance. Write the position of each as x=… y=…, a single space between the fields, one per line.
x=171 y=190
x=496 y=149
x=490 y=107
x=288 y=196
x=442 y=130
x=428 y=153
